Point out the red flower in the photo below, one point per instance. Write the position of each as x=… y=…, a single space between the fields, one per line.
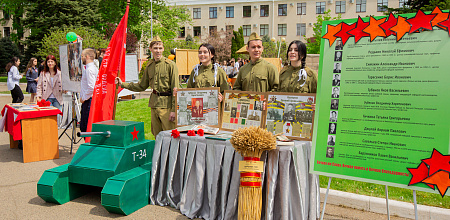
x=43 y=103
x=191 y=133
x=175 y=133
x=47 y=103
x=200 y=132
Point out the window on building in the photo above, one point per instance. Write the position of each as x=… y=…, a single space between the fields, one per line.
x=229 y=28
x=230 y=11
x=403 y=3
x=264 y=29
x=340 y=7
x=247 y=11
x=301 y=29
x=182 y=32
x=197 y=13
x=264 y=11
x=301 y=8
x=247 y=30
x=212 y=12
x=360 y=5
x=320 y=7
x=6 y=32
x=380 y=4
x=282 y=29
x=212 y=30
x=197 y=31
x=282 y=9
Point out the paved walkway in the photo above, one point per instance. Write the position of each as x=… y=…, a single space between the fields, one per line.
x=19 y=200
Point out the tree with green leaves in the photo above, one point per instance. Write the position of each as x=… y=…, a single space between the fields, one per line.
x=8 y=50
x=43 y=17
x=424 y=5
x=50 y=43
x=313 y=43
x=237 y=41
x=170 y=44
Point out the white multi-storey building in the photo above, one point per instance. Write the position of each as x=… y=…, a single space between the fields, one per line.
x=277 y=18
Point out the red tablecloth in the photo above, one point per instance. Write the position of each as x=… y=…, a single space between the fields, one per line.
x=13 y=126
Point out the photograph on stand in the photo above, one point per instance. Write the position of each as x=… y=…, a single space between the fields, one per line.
x=197 y=106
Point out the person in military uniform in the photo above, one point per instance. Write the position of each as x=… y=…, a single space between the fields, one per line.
x=161 y=75
x=258 y=75
x=297 y=77
x=289 y=114
x=207 y=73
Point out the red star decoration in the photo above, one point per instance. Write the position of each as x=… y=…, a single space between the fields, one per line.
x=401 y=28
x=440 y=17
x=441 y=179
x=421 y=20
x=446 y=24
x=437 y=162
x=357 y=31
x=387 y=25
x=332 y=30
x=374 y=29
x=343 y=32
x=135 y=133
x=418 y=174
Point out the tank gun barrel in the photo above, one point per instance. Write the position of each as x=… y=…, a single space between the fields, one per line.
x=90 y=134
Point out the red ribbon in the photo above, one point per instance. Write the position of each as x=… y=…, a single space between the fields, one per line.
x=257 y=175
x=251 y=158
x=251 y=184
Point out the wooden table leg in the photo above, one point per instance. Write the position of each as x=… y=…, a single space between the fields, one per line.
x=40 y=139
x=12 y=142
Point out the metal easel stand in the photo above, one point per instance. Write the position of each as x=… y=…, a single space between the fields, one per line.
x=73 y=122
x=387 y=200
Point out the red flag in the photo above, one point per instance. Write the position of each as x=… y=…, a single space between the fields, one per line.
x=102 y=103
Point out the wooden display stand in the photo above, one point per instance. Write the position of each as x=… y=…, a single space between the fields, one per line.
x=39 y=139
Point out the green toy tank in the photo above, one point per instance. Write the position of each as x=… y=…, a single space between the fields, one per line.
x=118 y=158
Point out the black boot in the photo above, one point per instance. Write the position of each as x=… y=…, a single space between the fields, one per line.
x=19 y=145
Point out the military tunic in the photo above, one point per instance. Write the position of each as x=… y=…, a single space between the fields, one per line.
x=259 y=76
x=205 y=78
x=289 y=80
x=161 y=76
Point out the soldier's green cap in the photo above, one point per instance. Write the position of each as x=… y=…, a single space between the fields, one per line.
x=156 y=39
x=254 y=36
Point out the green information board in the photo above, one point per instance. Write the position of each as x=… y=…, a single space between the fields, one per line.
x=382 y=102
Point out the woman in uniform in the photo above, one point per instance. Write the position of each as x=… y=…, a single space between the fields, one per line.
x=207 y=73
x=297 y=77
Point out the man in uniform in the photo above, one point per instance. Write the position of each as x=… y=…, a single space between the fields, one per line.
x=161 y=75
x=258 y=75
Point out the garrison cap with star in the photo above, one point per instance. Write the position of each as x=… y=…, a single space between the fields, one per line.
x=254 y=36
x=156 y=39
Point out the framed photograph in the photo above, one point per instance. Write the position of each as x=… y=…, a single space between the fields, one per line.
x=198 y=106
x=71 y=66
x=242 y=109
x=290 y=114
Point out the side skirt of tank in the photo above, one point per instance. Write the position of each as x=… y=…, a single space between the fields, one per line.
x=54 y=186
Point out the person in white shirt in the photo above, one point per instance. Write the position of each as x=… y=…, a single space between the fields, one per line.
x=90 y=72
x=13 y=80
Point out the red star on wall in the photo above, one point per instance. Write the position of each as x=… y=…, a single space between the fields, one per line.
x=357 y=31
x=391 y=22
x=421 y=20
x=446 y=24
x=374 y=29
x=343 y=32
x=401 y=28
x=135 y=133
x=441 y=179
x=440 y=17
x=332 y=30
x=418 y=174
x=437 y=162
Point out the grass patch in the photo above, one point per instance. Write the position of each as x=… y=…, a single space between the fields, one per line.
x=376 y=190
x=136 y=110
x=9 y=92
x=4 y=78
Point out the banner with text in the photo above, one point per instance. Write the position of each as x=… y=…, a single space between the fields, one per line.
x=382 y=100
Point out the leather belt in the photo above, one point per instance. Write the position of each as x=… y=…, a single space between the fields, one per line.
x=161 y=93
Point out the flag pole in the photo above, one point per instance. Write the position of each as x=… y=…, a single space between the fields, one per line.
x=116 y=90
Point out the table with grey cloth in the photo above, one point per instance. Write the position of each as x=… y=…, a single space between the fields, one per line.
x=200 y=177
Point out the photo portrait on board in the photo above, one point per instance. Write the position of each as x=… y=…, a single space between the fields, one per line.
x=197 y=107
x=289 y=113
x=233 y=112
x=334 y=104
x=336 y=79
x=332 y=128
x=330 y=152
x=333 y=116
x=339 y=45
x=335 y=92
x=331 y=140
x=337 y=68
x=338 y=56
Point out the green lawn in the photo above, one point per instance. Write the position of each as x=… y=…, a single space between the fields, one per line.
x=4 y=78
x=138 y=110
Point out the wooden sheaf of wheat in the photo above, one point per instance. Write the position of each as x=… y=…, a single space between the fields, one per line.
x=251 y=142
